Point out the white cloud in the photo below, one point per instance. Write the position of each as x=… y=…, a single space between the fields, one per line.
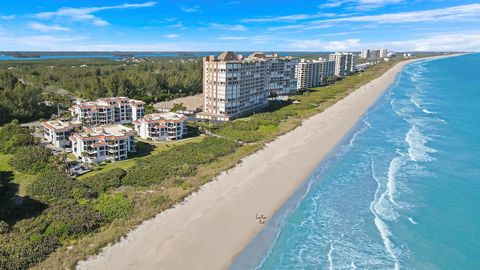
x=232 y=3
x=7 y=17
x=258 y=39
x=443 y=14
x=192 y=9
x=288 y=18
x=178 y=25
x=47 y=28
x=233 y=38
x=300 y=27
x=358 y=4
x=86 y=13
x=331 y=4
x=320 y=45
x=460 y=41
x=228 y=27
x=286 y=27
x=440 y=42
x=172 y=36
x=38 y=42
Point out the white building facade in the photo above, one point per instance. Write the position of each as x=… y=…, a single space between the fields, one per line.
x=115 y=110
x=161 y=126
x=345 y=63
x=234 y=85
x=281 y=74
x=314 y=73
x=57 y=132
x=103 y=143
x=365 y=54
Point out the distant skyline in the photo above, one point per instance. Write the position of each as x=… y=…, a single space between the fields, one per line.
x=167 y=25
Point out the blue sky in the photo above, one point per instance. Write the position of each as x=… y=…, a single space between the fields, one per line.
x=278 y=25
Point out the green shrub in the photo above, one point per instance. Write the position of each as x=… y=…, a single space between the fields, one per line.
x=78 y=219
x=4 y=227
x=104 y=181
x=12 y=136
x=114 y=206
x=30 y=159
x=16 y=254
x=52 y=184
x=179 y=161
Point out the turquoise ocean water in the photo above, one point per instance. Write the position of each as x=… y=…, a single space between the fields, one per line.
x=401 y=192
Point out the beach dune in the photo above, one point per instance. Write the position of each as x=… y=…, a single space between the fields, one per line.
x=215 y=224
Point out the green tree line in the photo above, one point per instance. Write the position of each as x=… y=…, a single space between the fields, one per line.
x=153 y=81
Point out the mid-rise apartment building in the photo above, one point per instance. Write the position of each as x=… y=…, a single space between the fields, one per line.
x=383 y=53
x=345 y=63
x=234 y=85
x=365 y=54
x=281 y=78
x=114 y=110
x=313 y=73
x=375 y=54
x=103 y=143
x=161 y=126
x=57 y=132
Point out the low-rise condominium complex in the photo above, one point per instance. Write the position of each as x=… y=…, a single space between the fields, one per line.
x=234 y=85
x=114 y=110
x=161 y=126
x=103 y=143
x=57 y=132
x=345 y=63
x=314 y=73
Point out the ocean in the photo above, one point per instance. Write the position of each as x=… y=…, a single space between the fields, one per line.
x=402 y=190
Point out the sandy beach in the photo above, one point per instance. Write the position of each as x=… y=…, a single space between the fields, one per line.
x=215 y=224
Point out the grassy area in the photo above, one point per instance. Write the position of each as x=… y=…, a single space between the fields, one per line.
x=22 y=179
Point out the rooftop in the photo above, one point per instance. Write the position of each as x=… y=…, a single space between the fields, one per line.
x=106 y=131
x=105 y=102
x=59 y=125
x=162 y=117
x=256 y=56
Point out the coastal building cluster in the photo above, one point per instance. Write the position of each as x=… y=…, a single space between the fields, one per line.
x=97 y=131
x=236 y=85
x=375 y=54
x=233 y=85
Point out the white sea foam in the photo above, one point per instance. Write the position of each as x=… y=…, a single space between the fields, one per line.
x=427 y=111
x=441 y=120
x=353 y=265
x=417 y=149
x=434 y=113
x=393 y=170
x=416 y=101
x=330 y=259
x=412 y=221
x=382 y=227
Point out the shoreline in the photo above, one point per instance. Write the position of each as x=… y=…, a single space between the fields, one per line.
x=214 y=225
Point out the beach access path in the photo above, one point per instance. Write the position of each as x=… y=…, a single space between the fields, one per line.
x=215 y=224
